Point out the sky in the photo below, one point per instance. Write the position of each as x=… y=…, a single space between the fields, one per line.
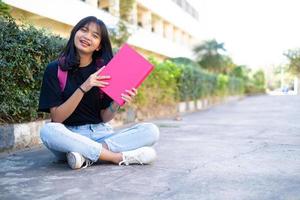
x=255 y=32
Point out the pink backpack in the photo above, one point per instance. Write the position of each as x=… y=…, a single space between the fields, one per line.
x=62 y=78
x=63 y=75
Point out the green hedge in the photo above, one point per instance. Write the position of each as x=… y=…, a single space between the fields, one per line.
x=180 y=80
x=197 y=83
x=161 y=87
x=25 y=51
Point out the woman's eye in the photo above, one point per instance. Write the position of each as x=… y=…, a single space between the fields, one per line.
x=95 y=36
x=84 y=29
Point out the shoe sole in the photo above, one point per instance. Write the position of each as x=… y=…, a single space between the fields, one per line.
x=152 y=157
x=71 y=158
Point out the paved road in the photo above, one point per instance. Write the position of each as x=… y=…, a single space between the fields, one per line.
x=248 y=149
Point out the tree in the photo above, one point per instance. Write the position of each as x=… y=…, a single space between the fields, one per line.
x=4 y=9
x=293 y=56
x=209 y=47
x=227 y=64
x=259 y=79
x=120 y=33
x=208 y=55
x=126 y=7
x=241 y=71
x=184 y=61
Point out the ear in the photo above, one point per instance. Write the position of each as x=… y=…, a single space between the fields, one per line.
x=98 y=48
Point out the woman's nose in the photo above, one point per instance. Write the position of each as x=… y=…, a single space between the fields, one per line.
x=87 y=36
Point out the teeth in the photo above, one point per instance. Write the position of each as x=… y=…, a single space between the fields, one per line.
x=84 y=42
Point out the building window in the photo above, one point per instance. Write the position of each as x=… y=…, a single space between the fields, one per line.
x=104 y=5
x=188 y=8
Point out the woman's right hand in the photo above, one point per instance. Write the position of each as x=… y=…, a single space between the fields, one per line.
x=95 y=80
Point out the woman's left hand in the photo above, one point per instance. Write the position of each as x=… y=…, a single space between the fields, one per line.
x=129 y=95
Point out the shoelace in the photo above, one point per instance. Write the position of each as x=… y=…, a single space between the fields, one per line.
x=127 y=161
x=87 y=163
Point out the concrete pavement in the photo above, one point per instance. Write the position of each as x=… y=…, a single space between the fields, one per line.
x=248 y=149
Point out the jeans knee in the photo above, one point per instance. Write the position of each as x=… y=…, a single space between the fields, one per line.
x=47 y=130
x=153 y=130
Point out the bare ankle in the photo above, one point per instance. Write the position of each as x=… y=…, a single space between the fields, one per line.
x=104 y=146
x=118 y=158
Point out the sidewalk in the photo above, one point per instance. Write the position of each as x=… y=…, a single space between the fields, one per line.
x=247 y=149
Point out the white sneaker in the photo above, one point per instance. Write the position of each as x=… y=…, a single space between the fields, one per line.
x=76 y=160
x=143 y=155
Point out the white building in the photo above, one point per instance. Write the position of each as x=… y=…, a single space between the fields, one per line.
x=165 y=28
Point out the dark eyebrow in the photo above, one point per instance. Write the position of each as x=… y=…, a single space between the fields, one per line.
x=97 y=33
x=85 y=27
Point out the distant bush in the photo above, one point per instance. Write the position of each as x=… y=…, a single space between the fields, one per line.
x=198 y=83
x=25 y=51
x=161 y=87
x=177 y=80
x=236 y=86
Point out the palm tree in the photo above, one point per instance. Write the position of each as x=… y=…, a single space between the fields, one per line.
x=208 y=48
x=208 y=55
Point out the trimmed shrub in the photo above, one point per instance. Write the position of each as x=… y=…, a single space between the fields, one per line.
x=161 y=87
x=25 y=52
x=197 y=83
x=236 y=86
x=222 y=84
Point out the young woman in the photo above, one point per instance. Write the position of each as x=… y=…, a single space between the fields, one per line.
x=78 y=130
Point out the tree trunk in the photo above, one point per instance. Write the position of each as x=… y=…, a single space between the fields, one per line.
x=297 y=85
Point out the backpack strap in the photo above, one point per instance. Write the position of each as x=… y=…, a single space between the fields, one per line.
x=62 y=78
x=63 y=75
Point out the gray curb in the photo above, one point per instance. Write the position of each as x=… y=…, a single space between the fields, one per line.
x=19 y=136
x=25 y=135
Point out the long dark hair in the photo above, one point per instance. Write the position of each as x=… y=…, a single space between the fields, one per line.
x=69 y=59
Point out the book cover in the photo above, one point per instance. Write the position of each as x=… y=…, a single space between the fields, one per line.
x=127 y=69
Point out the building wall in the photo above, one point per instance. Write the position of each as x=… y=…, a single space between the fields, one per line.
x=42 y=22
x=155 y=31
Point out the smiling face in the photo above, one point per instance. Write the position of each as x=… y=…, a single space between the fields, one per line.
x=87 y=39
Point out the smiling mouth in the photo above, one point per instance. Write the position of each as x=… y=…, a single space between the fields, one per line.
x=84 y=43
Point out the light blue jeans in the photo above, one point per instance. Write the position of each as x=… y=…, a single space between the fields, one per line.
x=88 y=139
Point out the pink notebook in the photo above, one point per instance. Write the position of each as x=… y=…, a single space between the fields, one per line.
x=128 y=69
